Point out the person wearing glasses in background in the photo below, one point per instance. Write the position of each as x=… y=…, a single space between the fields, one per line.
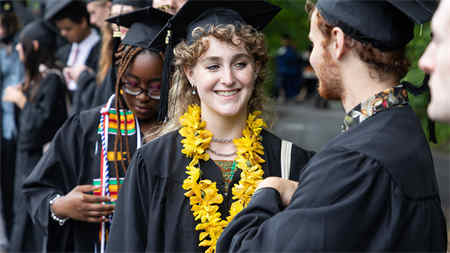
x=90 y=153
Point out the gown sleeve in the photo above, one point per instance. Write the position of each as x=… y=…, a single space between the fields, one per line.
x=129 y=227
x=56 y=172
x=338 y=197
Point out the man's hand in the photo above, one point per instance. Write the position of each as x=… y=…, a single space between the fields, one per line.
x=74 y=72
x=79 y=205
x=285 y=187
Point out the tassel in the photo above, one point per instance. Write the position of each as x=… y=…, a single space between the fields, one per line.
x=116 y=43
x=167 y=70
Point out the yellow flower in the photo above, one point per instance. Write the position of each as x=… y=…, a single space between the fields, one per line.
x=203 y=195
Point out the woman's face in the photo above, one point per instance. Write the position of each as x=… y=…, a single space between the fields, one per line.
x=144 y=74
x=224 y=78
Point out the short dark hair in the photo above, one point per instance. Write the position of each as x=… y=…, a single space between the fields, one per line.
x=76 y=11
x=10 y=23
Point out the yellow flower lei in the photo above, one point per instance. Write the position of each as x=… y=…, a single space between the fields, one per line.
x=203 y=195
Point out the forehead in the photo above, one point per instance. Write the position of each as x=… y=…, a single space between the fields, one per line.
x=222 y=49
x=118 y=9
x=313 y=28
x=66 y=22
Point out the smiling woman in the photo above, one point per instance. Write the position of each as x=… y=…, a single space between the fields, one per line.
x=184 y=187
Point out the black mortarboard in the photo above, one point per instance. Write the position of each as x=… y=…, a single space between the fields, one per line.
x=386 y=24
x=53 y=7
x=6 y=6
x=39 y=30
x=144 y=26
x=203 y=13
x=135 y=3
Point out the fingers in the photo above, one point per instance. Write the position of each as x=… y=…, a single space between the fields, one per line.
x=86 y=188
x=96 y=219
x=99 y=207
x=95 y=199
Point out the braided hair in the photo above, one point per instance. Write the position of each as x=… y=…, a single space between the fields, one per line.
x=125 y=56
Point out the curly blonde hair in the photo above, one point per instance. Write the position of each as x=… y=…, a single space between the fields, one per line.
x=181 y=93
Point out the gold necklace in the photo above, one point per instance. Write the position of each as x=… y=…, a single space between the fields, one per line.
x=203 y=194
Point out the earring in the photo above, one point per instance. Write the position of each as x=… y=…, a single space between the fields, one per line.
x=194 y=92
x=121 y=92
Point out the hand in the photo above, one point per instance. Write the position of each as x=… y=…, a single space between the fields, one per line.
x=74 y=72
x=285 y=187
x=80 y=205
x=15 y=95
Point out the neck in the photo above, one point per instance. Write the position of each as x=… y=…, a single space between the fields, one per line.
x=86 y=34
x=359 y=85
x=224 y=127
x=148 y=129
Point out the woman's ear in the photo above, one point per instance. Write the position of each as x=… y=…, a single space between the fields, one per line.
x=189 y=73
x=35 y=45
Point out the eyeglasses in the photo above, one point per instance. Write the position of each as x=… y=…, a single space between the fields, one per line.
x=135 y=90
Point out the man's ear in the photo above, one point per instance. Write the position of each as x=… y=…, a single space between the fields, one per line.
x=35 y=45
x=338 y=43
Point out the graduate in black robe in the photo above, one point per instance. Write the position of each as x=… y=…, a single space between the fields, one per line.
x=373 y=187
x=89 y=154
x=153 y=212
x=42 y=96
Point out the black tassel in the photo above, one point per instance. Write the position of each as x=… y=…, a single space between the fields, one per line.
x=416 y=91
x=167 y=70
x=116 y=42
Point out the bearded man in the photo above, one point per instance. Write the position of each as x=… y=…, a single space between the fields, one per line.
x=373 y=187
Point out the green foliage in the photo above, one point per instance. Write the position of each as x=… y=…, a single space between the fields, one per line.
x=294 y=21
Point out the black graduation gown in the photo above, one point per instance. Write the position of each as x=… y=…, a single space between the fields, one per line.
x=153 y=214
x=372 y=188
x=41 y=117
x=72 y=159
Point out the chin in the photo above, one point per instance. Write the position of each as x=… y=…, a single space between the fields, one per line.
x=439 y=113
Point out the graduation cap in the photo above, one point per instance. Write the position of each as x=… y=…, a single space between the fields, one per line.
x=39 y=30
x=144 y=25
x=204 y=13
x=386 y=24
x=6 y=6
x=53 y=7
x=135 y=3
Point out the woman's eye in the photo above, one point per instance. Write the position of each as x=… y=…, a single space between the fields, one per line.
x=212 y=67
x=241 y=65
x=131 y=83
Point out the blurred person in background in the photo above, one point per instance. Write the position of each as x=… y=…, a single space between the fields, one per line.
x=11 y=73
x=98 y=86
x=288 y=70
x=42 y=99
x=72 y=20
